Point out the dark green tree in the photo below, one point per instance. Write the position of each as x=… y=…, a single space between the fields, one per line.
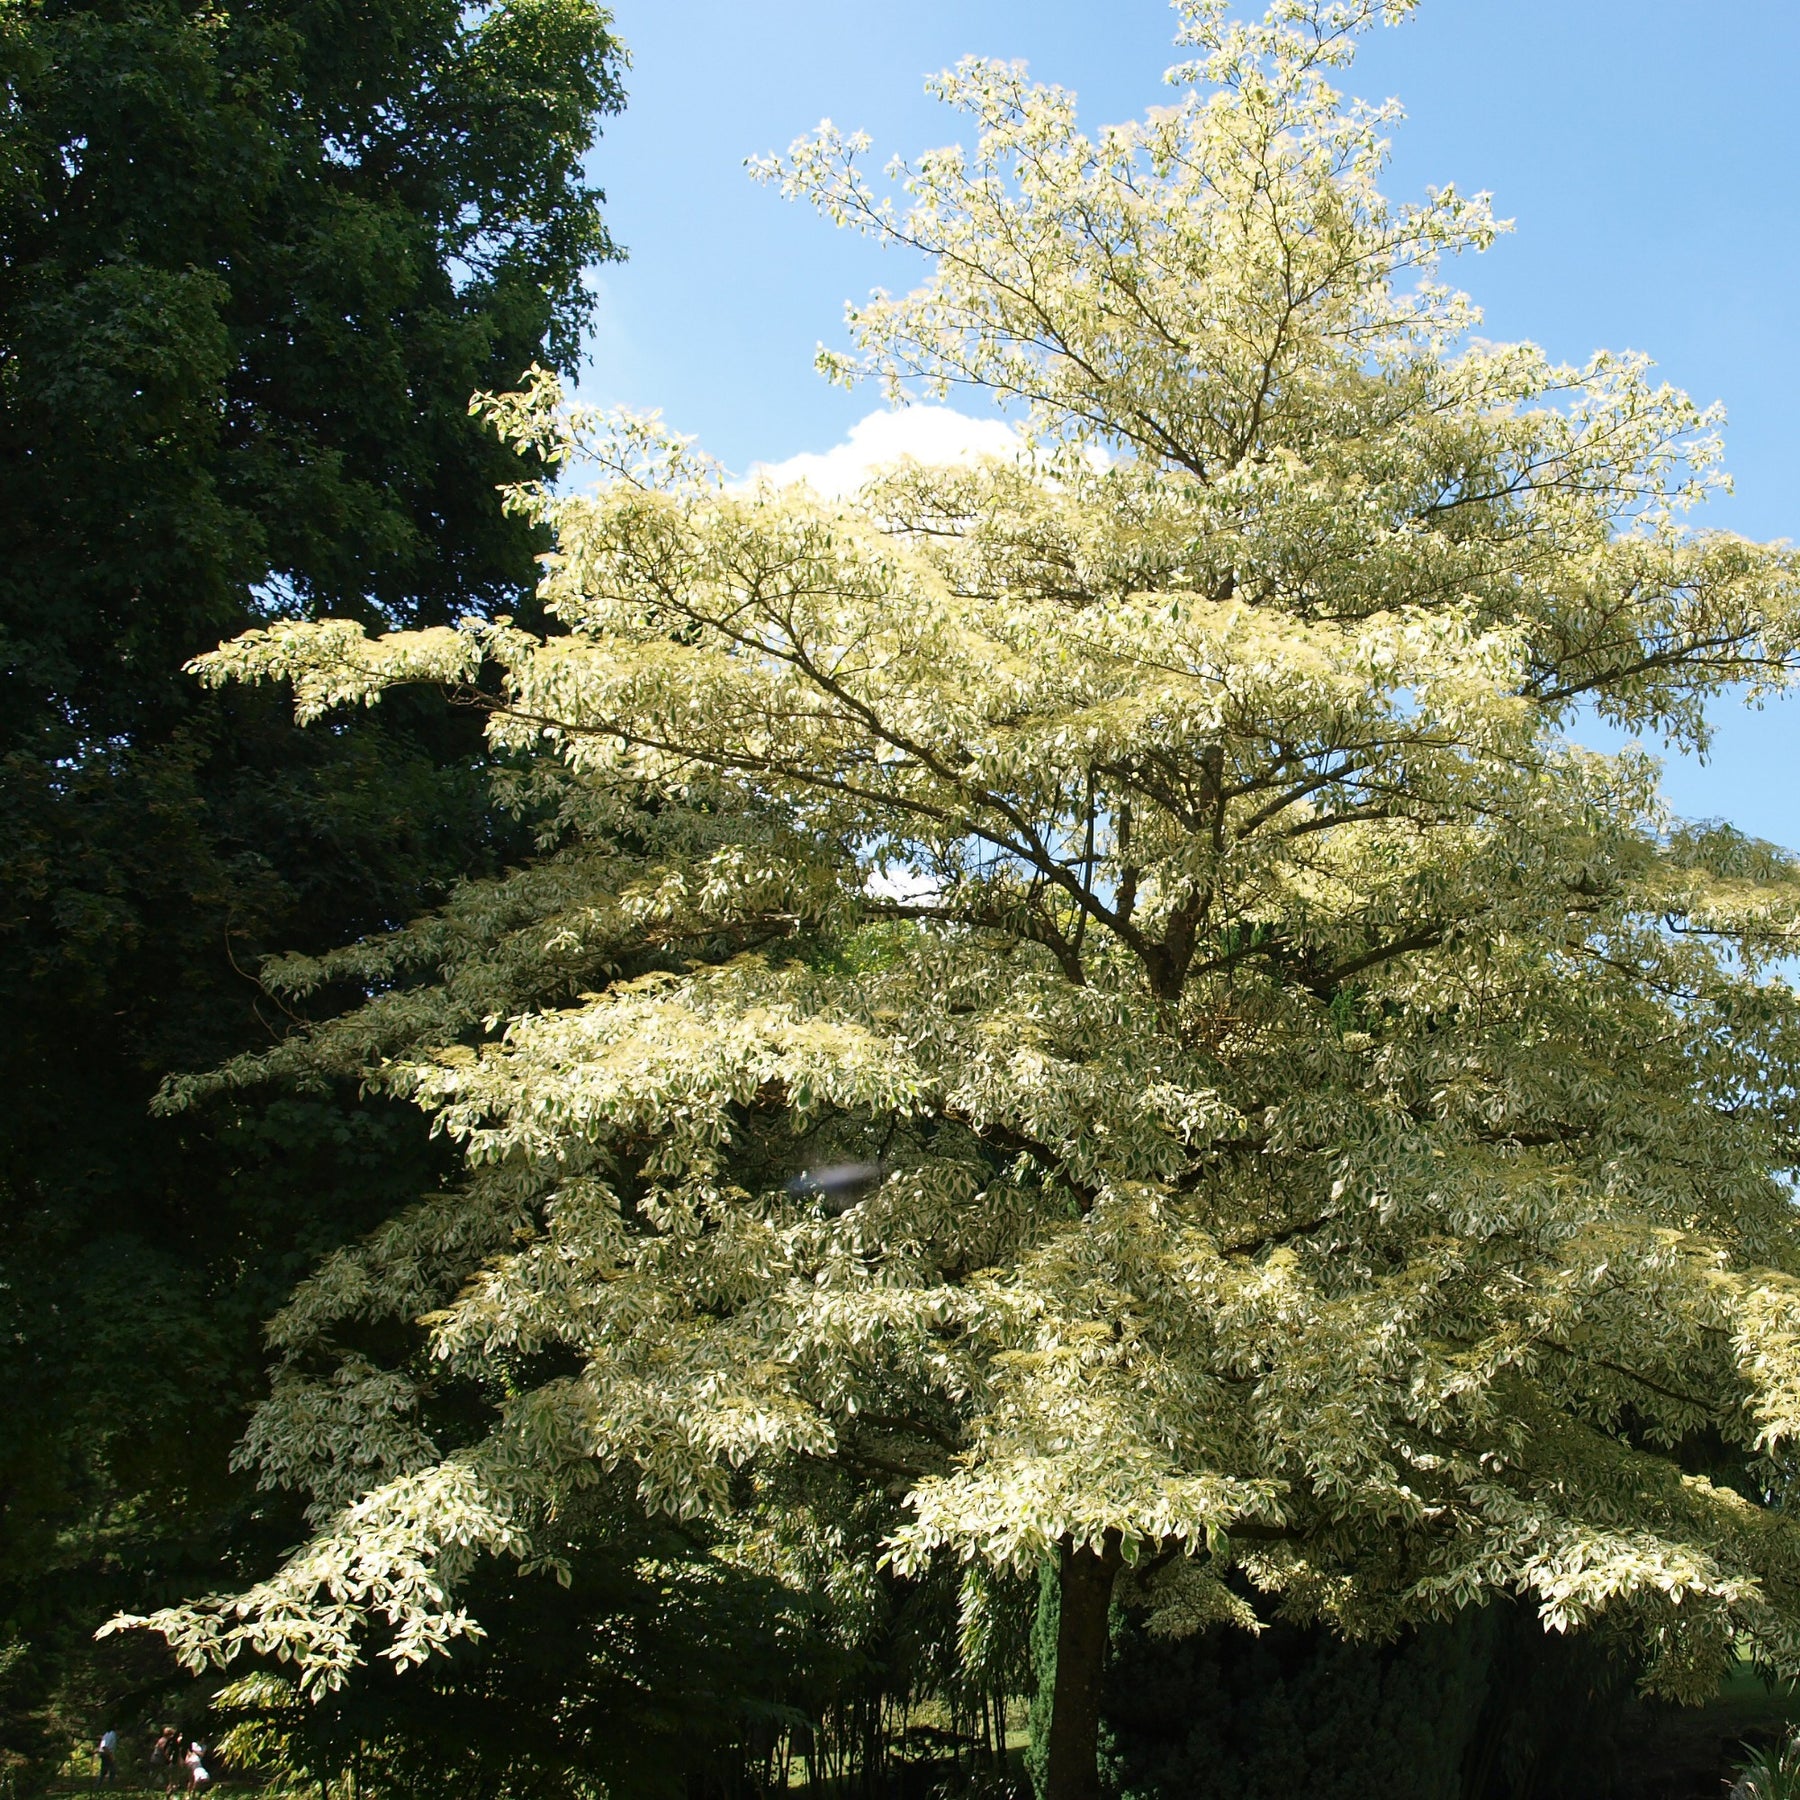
x=1294 y=1712
x=1485 y=1706
x=254 y=259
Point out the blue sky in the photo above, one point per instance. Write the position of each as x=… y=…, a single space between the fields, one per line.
x=1648 y=150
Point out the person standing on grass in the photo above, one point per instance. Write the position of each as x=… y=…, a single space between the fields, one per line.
x=107 y=1751
x=165 y=1758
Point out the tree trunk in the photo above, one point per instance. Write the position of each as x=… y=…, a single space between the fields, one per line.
x=1085 y=1584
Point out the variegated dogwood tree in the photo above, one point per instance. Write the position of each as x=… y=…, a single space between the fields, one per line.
x=1333 y=1131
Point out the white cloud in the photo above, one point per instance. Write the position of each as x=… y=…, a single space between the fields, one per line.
x=928 y=434
x=902 y=882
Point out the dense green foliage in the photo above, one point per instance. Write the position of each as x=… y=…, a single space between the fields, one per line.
x=1294 y=1712
x=1482 y=1707
x=1486 y=1706
x=255 y=259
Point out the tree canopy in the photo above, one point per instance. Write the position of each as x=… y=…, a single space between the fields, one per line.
x=257 y=259
x=1331 y=1131
x=254 y=258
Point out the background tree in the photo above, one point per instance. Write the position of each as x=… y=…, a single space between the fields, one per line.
x=255 y=260
x=1486 y=1706
x=1334 y=1130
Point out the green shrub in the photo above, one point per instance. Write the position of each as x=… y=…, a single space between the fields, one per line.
x=1771 y=1774
x=1293 y=1712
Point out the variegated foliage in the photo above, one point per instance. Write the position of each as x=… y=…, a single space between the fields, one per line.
x=1332 y=1123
